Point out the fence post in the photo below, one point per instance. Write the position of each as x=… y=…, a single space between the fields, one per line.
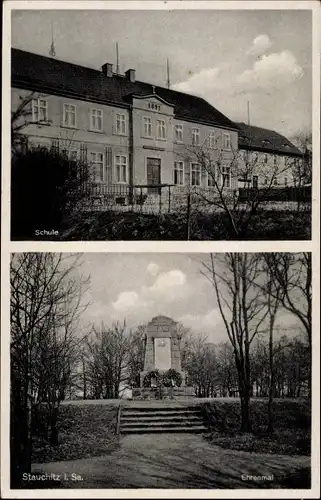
x=141 y=199
x=169 y=199
x=188 y=216
x=160 y=200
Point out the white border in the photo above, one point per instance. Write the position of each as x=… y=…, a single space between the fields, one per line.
x=135 y=246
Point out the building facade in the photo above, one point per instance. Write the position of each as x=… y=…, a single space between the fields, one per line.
x=134 y=133
x=266 y=157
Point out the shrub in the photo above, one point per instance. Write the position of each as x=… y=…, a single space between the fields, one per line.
x=149 y=376
x=47 y=192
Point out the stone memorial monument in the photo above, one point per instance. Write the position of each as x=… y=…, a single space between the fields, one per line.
x=162 y=353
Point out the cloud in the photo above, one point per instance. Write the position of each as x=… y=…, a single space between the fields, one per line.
x=126 y=300
x=168 y=288
x=168 y=280
x=209 y=323
x=273 y=71
x=202 y=82
x=259 y=45
x=153 y=269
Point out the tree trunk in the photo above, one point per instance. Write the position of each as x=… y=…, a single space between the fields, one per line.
x=271 y=367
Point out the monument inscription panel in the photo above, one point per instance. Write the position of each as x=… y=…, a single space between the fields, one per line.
x=162 y=347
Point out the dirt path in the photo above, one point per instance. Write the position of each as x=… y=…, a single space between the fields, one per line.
x=174 y=461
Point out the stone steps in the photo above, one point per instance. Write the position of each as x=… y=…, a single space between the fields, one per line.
x=156 y=418
x=159 y=420
x=162 y=430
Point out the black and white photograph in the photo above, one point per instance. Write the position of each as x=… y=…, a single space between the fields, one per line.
x=160 y=264
x=160 y=370
x=161 y=124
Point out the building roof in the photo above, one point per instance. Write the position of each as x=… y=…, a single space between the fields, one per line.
x=262 y=139
x=45 y=74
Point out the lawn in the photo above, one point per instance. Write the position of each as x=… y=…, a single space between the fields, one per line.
x=112 y=225
x=84 y=431
x=292 y=427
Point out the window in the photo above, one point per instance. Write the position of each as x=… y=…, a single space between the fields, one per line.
x=97 y=159
x=265 y=158
x=265 y=181
x=69 y=116
x=275 y=182
x=255 y=181
x=178 y=173
x=211 y=139
x=226 y=141
x=147 y=122
x=121 y=168
x=226 y=177
x=73 y=155
x=179 y=133
x=285 y=181
x=275 y=160
x=254 y=157
x=195 y=174
x=161 y=129
x=96 y=122
x=39 y=110
x=195 y=136
x=120 y=124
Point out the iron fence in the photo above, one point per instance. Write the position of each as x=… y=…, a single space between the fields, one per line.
x=170 y=198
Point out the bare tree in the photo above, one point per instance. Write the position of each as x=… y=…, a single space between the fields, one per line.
x=45 y=304
x=292 y=274
x=243 y=310
x=302 y=170
x=274 y=295
x=107 y=360
x=200 y=362
x=222 y=171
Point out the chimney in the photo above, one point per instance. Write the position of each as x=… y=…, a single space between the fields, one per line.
x=107 y=69
x=130 y=75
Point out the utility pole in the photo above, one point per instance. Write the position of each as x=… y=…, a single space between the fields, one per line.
x=168 y=79
x=248 y=112
x=52 y=50
x=117 y=59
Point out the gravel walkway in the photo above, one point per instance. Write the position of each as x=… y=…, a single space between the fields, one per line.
x=175 y=461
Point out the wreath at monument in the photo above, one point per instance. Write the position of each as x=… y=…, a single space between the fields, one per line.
x=147 y=381
x=172 y=377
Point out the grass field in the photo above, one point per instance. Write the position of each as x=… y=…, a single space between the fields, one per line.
x=292 y=426
x=112 y=225
x=87 y=428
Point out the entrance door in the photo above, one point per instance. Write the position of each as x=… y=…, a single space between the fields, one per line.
x=153 y=174
x=255 y=181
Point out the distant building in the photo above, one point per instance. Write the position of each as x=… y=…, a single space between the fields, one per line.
x=266 y=152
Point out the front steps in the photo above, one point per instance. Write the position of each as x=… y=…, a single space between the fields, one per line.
x=159 y=420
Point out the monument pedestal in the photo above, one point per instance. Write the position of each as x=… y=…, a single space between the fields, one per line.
x=152 y=393
x=162 y=353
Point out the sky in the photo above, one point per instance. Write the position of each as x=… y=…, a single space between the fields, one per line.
x=139 y=286
x=227 y=57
